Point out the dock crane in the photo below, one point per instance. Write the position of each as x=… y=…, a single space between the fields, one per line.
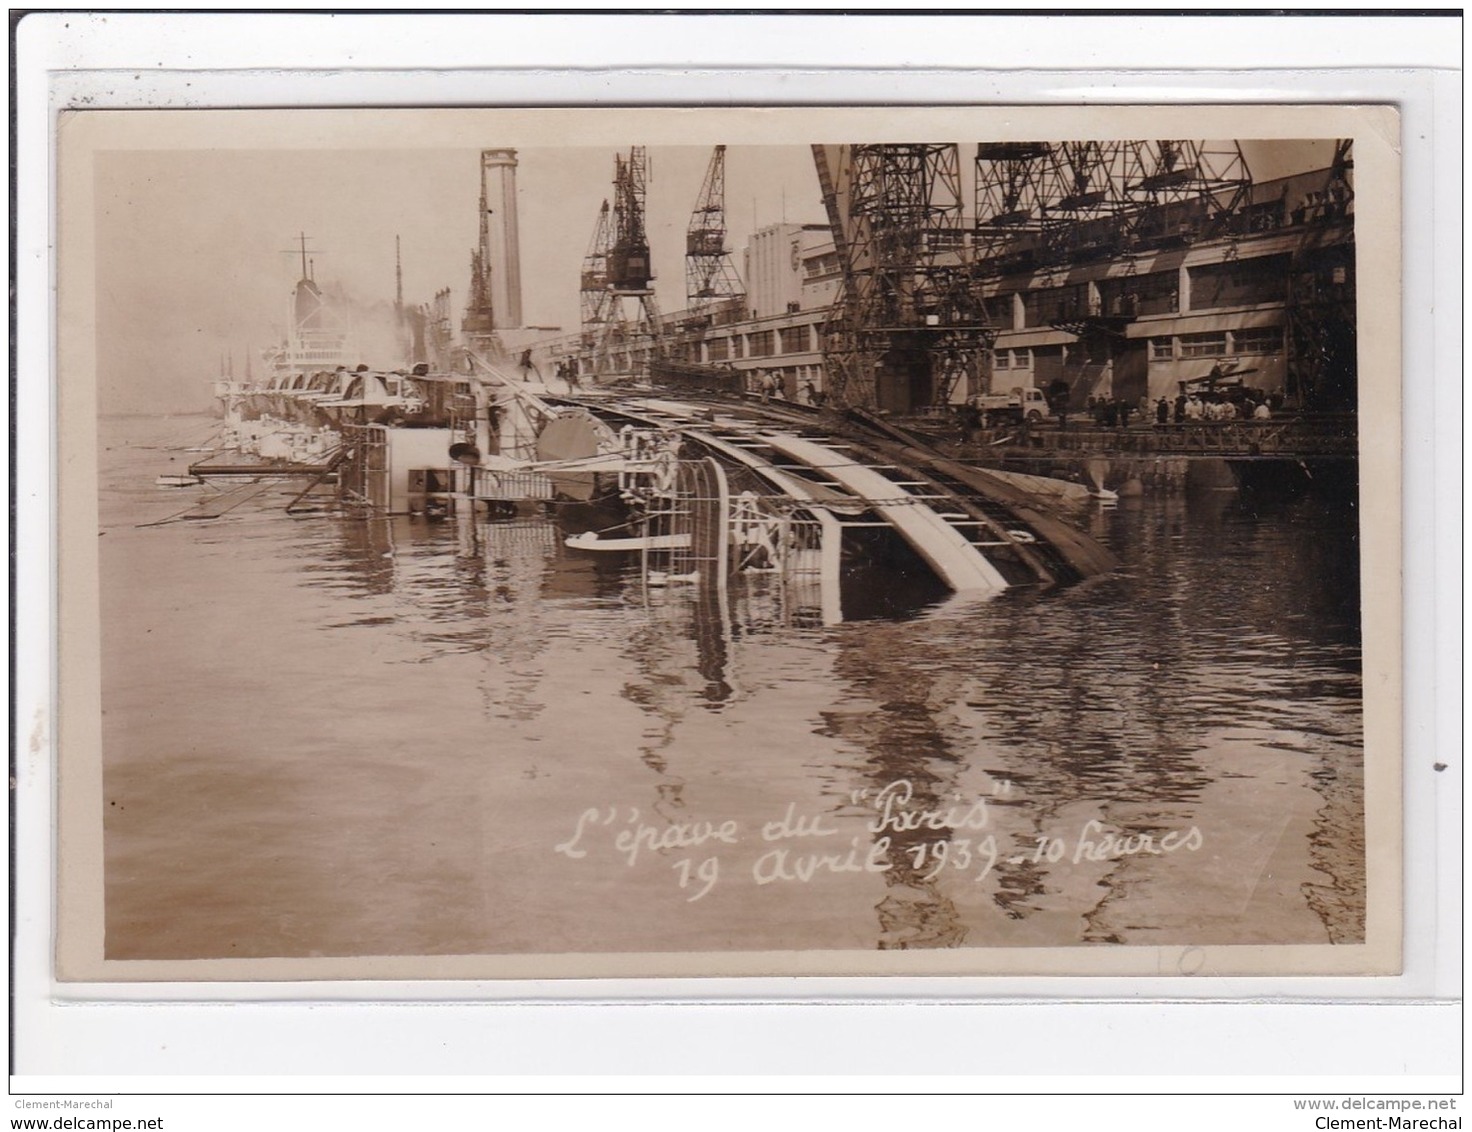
x=1016 y=184
x=1321 y=334
x=1182 y=190
x=479 y=321
x=626 y=342
x=593 y=291
x=909 y=325
x=712 y=286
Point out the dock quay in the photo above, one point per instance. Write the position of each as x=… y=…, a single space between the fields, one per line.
x=1295 y=451
x=1332 y=436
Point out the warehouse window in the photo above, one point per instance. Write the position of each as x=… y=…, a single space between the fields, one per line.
x=795 y=340
x=1130 y=296
x=1258 y=340
x=1203 y=345
x=1055 y=304
x=1162 y=349
x=1240 y=283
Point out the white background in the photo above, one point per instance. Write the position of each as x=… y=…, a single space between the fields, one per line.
x=1337 y=1036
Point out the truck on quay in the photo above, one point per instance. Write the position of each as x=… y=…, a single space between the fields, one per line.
x=1018 y=404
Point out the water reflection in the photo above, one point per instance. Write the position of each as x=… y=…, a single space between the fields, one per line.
x=1112 y=707
x=1126 y=697
x=394 y=721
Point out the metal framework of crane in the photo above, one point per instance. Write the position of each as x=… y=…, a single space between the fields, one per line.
x=1015 y=187
x=1050 y=202
x=712 y=286
x=623 y=316
x=908 y=324
x=593 y=285
x=479 y=322
x=1183 y=191
x=1322 y=338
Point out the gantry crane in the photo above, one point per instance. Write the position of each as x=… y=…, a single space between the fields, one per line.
x=1322 y=339
x=1016 y=186
x=908 y=325
x=1182 y=191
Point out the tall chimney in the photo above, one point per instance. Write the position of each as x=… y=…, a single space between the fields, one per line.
x=498 y=183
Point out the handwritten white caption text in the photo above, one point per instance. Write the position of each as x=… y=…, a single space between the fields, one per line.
x=965 y=845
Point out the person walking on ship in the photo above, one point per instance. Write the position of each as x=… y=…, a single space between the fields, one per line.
x=1162 y=412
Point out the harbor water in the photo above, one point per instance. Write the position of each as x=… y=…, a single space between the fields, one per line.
x=326 y=736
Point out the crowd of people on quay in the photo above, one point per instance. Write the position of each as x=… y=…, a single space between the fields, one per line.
x=1194 y=407
x=1190 y=407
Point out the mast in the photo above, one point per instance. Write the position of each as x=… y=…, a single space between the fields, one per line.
x=398 y=277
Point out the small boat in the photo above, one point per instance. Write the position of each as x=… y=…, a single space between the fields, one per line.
x=178 y=481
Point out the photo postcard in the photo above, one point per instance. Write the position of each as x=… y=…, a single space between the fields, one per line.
x=509 y=544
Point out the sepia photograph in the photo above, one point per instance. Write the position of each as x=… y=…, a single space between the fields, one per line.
x=591 y=542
